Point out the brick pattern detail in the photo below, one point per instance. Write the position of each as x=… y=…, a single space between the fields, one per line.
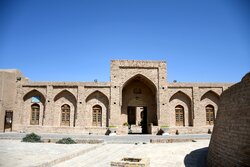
x=230 y=142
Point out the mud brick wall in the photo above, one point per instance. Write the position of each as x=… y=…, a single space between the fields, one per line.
x=230 y=141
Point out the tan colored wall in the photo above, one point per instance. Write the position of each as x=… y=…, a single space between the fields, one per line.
x=8 y=91
x=230 y=142
x=122 y=71
x=82 y=96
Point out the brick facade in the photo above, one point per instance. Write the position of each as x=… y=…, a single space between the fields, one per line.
x=136 y=85
x=230 y=142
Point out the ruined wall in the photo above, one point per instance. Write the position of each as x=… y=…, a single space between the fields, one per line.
x=230 y=142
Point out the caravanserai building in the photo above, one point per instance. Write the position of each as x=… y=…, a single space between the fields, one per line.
x=138 y=99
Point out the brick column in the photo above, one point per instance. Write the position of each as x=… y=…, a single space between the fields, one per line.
x=80 y=105
x=115 y=106
x=49 y=103
x=195 y=107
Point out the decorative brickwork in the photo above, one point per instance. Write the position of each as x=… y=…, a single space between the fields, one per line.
x=230 y=142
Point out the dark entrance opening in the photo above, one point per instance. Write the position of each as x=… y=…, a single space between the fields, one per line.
x=132 y=115
x=137 y=117
x=144 y=122
x=8 y=121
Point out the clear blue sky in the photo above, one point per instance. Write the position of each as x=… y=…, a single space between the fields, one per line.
x=75 y=40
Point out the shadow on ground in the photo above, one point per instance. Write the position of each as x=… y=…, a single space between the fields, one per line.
x=196 y=158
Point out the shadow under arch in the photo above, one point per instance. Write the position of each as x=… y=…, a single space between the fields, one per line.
x=139 y=102
x=71 y=98
x=32 y=93
x=143 y=79
x=97 y=94
x=103 y=99
x=210 y=95
x=183 y=97
x=180 y=95
x=66 y=94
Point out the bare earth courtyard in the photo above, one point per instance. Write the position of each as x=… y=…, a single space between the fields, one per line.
x=17 y=153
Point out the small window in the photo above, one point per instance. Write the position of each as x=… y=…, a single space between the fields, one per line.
x=65 y=117
x=179 y=115
x=97 y=116
x=35 y=111
x=209 y=115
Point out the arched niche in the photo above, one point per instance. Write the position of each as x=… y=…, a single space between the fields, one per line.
x=211 y=95
x=97 y=98
x=31 y=98
x=139 y=94
x=62 y=98
x=180 y=98
x=209 y=98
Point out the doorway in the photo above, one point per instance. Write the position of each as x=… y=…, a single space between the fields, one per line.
x=137 y=118
x=8 y=121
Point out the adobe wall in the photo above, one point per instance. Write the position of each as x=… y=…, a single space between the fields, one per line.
x=230 y=142
x=81 y=97
x=159 y=96
x=9 y=81
x=123 y=70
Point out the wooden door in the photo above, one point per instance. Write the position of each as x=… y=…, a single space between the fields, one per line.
x=179 y=116
x=97 y=116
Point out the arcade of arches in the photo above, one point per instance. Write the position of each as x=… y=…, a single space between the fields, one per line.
x=138 y=99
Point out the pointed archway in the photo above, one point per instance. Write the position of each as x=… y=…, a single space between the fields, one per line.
x=139 y=102
x=30 y=100
x=65 y=98
x=182 y=99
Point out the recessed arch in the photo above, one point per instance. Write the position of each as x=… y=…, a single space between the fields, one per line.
x=31 y=100
x=180 y=95
x=181 y=98
x=143 y=79
x=99 y=95
x=62 y=98
x=33 y=93
x=139 y=94
x=66 y=94
x=93 y=100
x=210 y=95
